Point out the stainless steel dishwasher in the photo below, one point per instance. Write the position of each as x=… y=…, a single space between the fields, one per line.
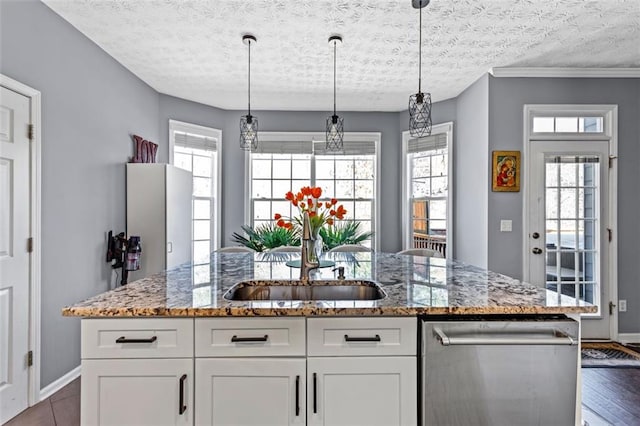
x=489 y=370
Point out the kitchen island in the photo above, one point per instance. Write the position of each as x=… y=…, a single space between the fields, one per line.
x=171 y=349
x=414 y=285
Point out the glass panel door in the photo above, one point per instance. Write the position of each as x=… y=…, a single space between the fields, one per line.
x=568 y=247
x=572 y=243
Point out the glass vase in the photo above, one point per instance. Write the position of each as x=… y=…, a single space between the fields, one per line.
x=314 y=251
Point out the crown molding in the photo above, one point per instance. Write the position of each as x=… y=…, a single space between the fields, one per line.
x=549 y=72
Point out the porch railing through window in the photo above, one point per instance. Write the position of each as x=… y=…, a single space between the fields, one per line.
x=432 y=242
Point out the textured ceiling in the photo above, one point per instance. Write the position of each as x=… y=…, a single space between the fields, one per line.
x=193 y=49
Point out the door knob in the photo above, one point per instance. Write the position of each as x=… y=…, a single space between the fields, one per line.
x=536 y=250
x=535 y=235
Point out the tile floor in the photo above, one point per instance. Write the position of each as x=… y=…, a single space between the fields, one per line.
x=60 y=409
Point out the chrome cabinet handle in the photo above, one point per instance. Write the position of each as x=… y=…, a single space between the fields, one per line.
x=562 y=339
x=125 y=340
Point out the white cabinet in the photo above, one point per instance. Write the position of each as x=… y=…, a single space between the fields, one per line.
x=137 y=371
x=250 y=391
x=365 y=391
x=139 y=392
x=159 y=205
x=362 y=371
x=251 y=371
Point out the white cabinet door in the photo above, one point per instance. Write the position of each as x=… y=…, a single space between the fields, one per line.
x=362 y=391
x=250 y=391
x=179 y=225
x=153 y=392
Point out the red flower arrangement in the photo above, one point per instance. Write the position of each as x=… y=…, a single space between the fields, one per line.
x=320 y=213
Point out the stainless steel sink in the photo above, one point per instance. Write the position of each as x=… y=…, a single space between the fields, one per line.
x=310 y=290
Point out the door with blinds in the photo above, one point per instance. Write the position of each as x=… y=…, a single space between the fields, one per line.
x=427 y=192
x=568 y=243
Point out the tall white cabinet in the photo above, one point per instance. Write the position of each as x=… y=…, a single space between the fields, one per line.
x=159 y=204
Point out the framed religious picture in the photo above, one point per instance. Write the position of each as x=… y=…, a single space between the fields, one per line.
x=506 y=171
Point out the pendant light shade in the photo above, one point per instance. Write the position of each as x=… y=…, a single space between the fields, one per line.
x=335 y=124
x=249 y=123
x=420 y=103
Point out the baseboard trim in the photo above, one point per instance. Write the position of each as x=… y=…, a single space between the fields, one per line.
x=625 y=338
x=56 y=385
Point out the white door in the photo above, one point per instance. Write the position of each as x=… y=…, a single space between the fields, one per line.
x=568 y=244
x=250 y=391
x=141 y=392
x=14 y=257
x=366 y=391
x=178 y=211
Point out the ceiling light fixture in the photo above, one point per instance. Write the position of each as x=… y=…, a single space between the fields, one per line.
x=420 y=103
x=249 y=123
x=335 y=124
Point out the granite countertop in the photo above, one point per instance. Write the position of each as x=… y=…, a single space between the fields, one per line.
x=414 y=285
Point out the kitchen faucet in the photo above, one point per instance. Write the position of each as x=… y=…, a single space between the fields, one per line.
x=305 y=264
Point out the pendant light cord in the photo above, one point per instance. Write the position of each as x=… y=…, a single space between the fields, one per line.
x=334 y=76
x=420 y=55
x=249 y=81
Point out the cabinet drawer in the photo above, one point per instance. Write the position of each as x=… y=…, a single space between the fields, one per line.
x=249 y=337
x=137 y=338
x=362 y=336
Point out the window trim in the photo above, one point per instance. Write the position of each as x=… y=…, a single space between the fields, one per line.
x=181 y=126
x=442 y=128
x=311 y=137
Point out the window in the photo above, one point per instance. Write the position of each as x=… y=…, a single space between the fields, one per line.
x=426 y=190
x=288 y=161
x=197 y=149
x=568 y=124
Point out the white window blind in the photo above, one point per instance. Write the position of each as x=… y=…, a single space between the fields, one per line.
x=350 y=148
x=195 y=141
x=428 y=143
x=283 y=147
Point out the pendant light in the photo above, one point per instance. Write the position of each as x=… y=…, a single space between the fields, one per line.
x=335 y=128
x=420 y=103
x=249 y=123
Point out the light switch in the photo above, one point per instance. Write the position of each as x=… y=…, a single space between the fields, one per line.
x=505 y=225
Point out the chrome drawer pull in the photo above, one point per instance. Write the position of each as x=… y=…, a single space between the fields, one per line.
x=526 y=339
x=125 y=340
x=236 y=339
x=375 y=338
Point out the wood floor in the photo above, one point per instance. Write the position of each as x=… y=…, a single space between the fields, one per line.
x=612 y=393
x=61 y=409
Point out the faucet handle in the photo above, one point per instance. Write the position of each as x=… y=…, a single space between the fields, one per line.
x=340 y=270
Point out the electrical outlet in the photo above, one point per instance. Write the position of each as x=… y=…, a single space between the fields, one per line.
x=506 y=225
x=622 y=305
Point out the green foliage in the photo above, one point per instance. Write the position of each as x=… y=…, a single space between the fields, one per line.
x=266 y=237
x=345 y=232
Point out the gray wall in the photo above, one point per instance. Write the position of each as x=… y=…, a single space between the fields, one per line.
x=90 y=106
x=471 y=165
x=233 y=158
x=507 y=97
